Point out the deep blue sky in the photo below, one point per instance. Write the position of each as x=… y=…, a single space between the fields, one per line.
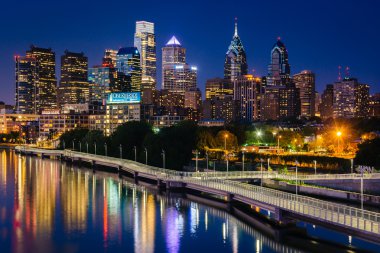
x=319 y=35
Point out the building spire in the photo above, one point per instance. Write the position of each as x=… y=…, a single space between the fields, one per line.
x=236 y=30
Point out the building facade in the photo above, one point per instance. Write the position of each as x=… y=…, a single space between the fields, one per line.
x=177 y=75
x=74 y=86
x=46 y=82
x=305 y=82
x=279 y=68
x=218 y=87
x=145 y=42
x=26 y=85
x=128 y=62
x=248 y=91
x=235 y=63
x=327 y=103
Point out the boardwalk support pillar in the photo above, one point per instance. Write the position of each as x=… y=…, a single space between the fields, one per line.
x=136 y=177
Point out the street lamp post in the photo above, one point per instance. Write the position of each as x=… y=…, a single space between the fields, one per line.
x=105 y=148
x=315 y=166
x=87 y=146
x=278 y=143
x=296 y=179
x=95 y=147
x=339 y=134
x=73 y=145
x=361 y=192
x=352 y=165
x=227 y=162
x=268 y=163
x=196 y=160
x=80 y=146
x=63 y=144
x=261 y=169
x=135 y=149
x=163 y=158
x=146 y=156
x=243 y=159
x=225 y=141
x=206 y=160
x=121 y=151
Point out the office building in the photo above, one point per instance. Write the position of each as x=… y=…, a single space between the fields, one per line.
x=74 y=86
x=374 y=105
x=248 y=91
x=145 y=42
x=121 y=107
x=46 y=82
x=109 y=58
x=289 y=101
x=235 y=63
x=216 y=110
x=305 y=82
x=128 y=62
x=362 y=100
x=177 y=75
x=279 y=68
x=327 y=102
x=218 y=87
x=26 y=85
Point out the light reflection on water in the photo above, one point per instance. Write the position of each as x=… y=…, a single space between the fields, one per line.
x=48 y=206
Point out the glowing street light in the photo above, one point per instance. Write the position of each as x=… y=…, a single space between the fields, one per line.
x=225 y=141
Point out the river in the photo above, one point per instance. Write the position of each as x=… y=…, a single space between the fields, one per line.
x=49 y=206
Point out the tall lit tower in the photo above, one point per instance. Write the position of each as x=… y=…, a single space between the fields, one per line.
x=145 y=41
x=46 y=83
x=279 y=68
x=128 y=62
x=26 y=89
x=177 y=75
x=305 y=81
x=235 y=63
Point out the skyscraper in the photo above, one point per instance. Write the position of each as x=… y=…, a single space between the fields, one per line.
x=235 y=63
x=128 y=62
x=177 y=75
x=344 y=98
x=289 y=101
x=46 y=82
x=327 y=104
x=279 y=68
x=26 y=87
x=74 y=87
x=362 y=100
x=248 y=90
x=305 y=82
x=145 y=42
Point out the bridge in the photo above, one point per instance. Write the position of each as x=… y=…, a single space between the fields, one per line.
x=280 y=205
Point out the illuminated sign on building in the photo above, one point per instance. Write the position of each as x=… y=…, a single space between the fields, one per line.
x=124 y=98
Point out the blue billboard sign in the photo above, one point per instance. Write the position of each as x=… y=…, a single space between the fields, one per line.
x=124 y=98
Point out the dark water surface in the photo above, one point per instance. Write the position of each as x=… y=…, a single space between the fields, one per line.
x=49 y=206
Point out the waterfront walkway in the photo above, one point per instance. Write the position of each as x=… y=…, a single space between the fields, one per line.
x=281 y=205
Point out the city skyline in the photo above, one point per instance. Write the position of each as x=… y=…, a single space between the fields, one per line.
x=208 y=56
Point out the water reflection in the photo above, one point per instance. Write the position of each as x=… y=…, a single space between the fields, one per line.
x=46 y=206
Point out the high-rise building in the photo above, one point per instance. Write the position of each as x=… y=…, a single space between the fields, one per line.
x=74 y=87
x=279 y=68
x=289 y=101
x=46 y=82
x=270 y=107
x=248 y=90
x=177 y=75
x=344 y=98
x=193 y=103
x=362 y=100
x=26 y=87
x=305 y=82
x=318 y=102
x=221 y=109
x=128 y=62
x=109 y=58
x=327 y=104
x=100 y=78
x=235 y=63
x=145 y=42
x=218 y=87
x=374 y=105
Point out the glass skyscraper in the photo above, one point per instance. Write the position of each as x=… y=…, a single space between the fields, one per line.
x=128 y=62
x=46 y=83
x=235 y=63
x=177 y=75
x=145 y=42
x=74 y=87
x=279 y=68
x=26 y=90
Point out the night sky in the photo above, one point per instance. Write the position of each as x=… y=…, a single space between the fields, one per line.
x=319 y=35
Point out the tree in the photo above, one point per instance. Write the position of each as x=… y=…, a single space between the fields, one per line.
x=67 y=138
x=205 y=139
x=226 y=138
x=369 y=153
x=92 y=138
x=129 y=135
